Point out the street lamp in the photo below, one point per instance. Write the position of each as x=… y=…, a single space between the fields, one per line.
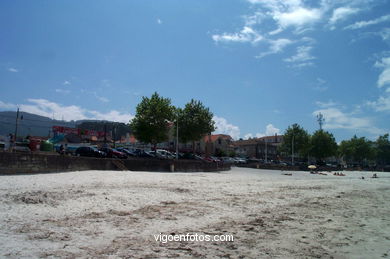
x=292 y=150
x=177 y=137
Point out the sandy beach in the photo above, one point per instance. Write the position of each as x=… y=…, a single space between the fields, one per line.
x=116 y=214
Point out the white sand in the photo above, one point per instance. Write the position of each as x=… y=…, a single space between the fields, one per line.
x=115 y=214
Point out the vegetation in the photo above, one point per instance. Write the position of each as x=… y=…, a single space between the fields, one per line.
x=357 y=150
x=322 y=145
x=382 y=146
x=297 y=138
x=195 y=121
x=152 y=119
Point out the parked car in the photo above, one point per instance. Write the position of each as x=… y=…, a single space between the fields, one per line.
x=211 y=159
x=228 y=160
x=239 y=160
x=89 y=151
x=144 y=154
x=164 y=154
x=127 y=151
x=113 y=153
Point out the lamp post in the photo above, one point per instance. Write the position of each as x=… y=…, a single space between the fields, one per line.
x=177 y=137
x=292 y=150
x=16 y=130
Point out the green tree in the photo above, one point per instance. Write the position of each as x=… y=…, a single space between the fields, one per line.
x=357 y=150
x=152 y=119
x=383 y=150
x=195 y=121
x=322 y=145
x=295 y=137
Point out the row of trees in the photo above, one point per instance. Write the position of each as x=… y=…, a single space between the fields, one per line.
x=155 y=115
x=322 y=145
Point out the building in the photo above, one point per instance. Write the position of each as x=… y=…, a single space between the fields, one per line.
x=262 y=148
x=219 y=144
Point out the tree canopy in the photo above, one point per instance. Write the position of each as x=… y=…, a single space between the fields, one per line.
x=297 y=137
x=322 y=145
x=152 y=119
x=383 y=149
x=195 y=121
x=357 y=150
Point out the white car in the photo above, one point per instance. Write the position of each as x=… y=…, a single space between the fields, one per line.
x=161 y=153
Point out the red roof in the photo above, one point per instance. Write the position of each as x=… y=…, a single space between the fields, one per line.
x=214 y=138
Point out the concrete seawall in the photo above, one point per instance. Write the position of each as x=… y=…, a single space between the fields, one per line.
x=14 y=163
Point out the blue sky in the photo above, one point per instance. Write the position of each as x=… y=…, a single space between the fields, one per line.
x=260 y=65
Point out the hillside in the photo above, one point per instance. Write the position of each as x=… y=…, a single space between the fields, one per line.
x=31 y=124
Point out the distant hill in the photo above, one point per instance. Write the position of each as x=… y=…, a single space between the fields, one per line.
x=36 y=125
x=31 y=124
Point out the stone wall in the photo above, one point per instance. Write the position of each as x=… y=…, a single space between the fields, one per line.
x=11 y=163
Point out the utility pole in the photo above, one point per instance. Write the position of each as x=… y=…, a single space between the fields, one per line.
x=266 y=151
x=114 y=131
x=105 y=134
x=16 y=128
x=292 y=150
x=177 y=138
x=320 y=119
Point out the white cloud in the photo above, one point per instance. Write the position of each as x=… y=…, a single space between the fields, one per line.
x=159 y=21
x=270 y=130
x=254 y=19
x=297 y=17
x=276 y=46
x=48 y=109
x=7 y=106
x=13 y=70
x=380 y=105
x=223 y=127
x=66 y=82
x=288 y=13
x=362 y=24
x=384 y=77
x=320 y=85
x=337 y=119
x=302 y=56
x=62 y=91
x=248 y=136
x=340 y=14
x=112 y=116
x=247 y=34
x=385 y=34
x=101 y=98
x=327 y=104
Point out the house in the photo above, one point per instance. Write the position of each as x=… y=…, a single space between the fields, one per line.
x=219 y=144
x=263 y=148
